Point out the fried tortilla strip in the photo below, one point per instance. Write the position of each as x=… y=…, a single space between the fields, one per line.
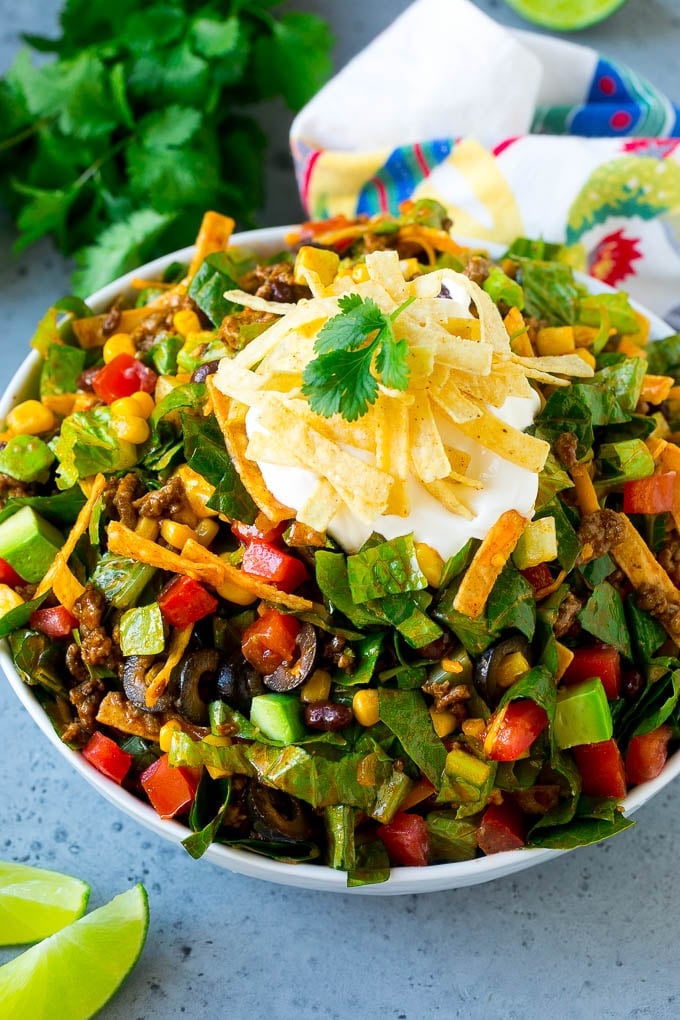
x=125 y=542
x=507 y=442
x=90 y=331
x=391 y=450
x=213 y=235
x=383 y=268
x=488 y=562
x=464 y=355
x=321 y=507
x=258 y=304
x=232 y=423
x=493 y=330
x=427 y=451
x=364 y=488
x=59 y=577
x=563 y=364
x=638 y=563
x=199 y=555
x=447 y=491
x=455 y=404
x=115 y=710
x=303 y=313
x=160 y=680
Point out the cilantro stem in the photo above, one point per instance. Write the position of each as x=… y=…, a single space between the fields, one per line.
x=21 y=136
x=104 y=158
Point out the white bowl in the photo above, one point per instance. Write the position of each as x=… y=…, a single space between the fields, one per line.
x=433 y=878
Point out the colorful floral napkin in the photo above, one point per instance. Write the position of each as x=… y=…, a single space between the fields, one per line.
x=516 y=134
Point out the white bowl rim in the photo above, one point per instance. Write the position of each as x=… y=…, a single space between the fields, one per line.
x=402 y=881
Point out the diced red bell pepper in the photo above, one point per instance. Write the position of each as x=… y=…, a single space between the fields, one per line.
x=601 y=768
x=652 y=495
x=185 y=601
x=8 y=575
x=171 y=790
x=121 y=377
x=55 y=621
x=503 y=827
x=270 y=640
x=599 y=660
x=107 y=757
x=539 y=577
x=647 y=754
x=262 y=559
x=406 y=840
x=513 y=729
x=247 y=533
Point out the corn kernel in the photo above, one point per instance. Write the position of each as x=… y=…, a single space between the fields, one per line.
x=30 y=418
x=585 y=355
x=176 y=534
x=317 y=688
x=186 y=322
x=148 y=528
x=125 y=407
x=145 y=403
x=132 y=429
x=360 y=273
x=555 y=340
x=443 y=722
x=206 y=531
x=166 y=732
x=564 y=659
x=451 y=666
x=232 y=592
x=9 y=599
x=119 y=343
x=60 y=403
x=510 y=668
x=84 y=402
x=430 y=562
x=319 y=260
x=365 y=707
x=197 y=490
x=473 y=728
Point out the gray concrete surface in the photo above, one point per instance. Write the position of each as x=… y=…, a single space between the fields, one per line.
x=591 y=935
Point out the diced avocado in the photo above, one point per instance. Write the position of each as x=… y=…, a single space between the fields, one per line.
x=26 y=458
x=582 y=715
x=279 y=716
x=537 y=544
x=29 y=543
x=141 y=631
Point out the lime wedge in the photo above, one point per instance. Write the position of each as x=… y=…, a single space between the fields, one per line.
x=565 y=15
x=35 y=903
x=75 y=972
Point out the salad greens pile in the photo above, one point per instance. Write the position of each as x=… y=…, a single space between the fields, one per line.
x=301 y=702
x=117 y=146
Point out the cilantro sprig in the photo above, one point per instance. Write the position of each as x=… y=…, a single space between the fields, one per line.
x=117 y=145
x=356 y=350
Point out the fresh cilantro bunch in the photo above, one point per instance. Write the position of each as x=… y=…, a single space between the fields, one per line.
x=118 y=145
x=355 y=350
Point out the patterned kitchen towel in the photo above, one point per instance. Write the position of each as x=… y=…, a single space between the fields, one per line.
x=517 y=134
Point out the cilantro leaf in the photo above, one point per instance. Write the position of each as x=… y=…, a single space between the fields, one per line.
x=355 y=349
x=297 y=40
x=120 y=247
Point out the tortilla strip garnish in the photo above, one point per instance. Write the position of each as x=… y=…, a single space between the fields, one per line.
x=507 y=442
x=428 y=455
x=640 y=566
x=213 y=235
x=178 y=644
x=59 y=577
x=199 y=555
x=115 y=710
x=321 y=507
x=488 y=562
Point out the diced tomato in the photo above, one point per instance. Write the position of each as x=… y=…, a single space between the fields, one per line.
x=107 y=757
x=513 y=729
x=123 y=376
x=185 y=601
x=171 y=790
x=601 y=768
x=55 y=621
x=599 y=660
x=270 y=640
x=311 y=228
x=652 y=495
x=247 y=533
x=8 y=574
x=539 y=576
x=647 y=754
x=406 y=840
x=503 y=827
x=262 y=559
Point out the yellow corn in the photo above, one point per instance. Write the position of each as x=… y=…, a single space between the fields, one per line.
x=30 y=418
x=197 y=490
x=132 y=429
x=166 y=732
x=473 y=727
x=409 y=268
x=510 y=668
x=443 y=722
x=360 y=273
x=147 y=527
x=60 y=403
x=365 y=707
x=206 y=531
x=430 y=562
x=119 y=343
x=9 y=599
x=564 y=659
x=319 y=260
x=145 y=403
x=84 y=402
x=176 y=534
x=317 y=688
x=186 y=322
x=451 y=666
x=125 y=407
x=630 y=348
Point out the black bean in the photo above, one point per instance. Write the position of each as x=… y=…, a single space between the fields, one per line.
x=327 y=715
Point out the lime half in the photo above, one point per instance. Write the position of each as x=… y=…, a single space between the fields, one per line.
x=75 y=972
x=565 y=15
x=35 y=903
